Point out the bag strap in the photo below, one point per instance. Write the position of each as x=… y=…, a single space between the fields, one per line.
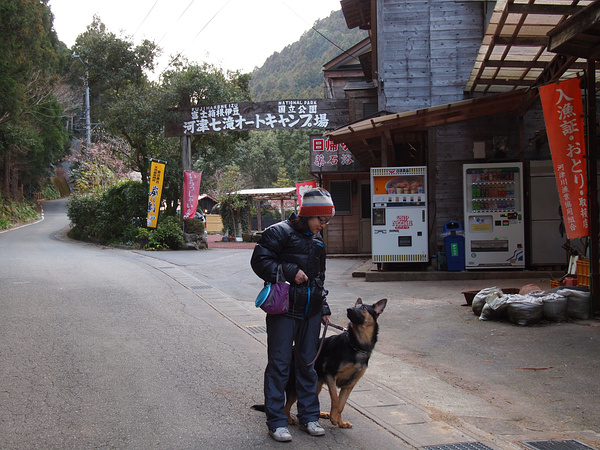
x=280 y=275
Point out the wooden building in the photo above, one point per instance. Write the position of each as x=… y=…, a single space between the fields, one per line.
x=442 y=82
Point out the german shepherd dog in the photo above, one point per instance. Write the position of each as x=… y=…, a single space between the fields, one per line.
x=343 y=360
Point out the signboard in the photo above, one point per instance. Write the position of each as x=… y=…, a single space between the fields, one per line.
x=157 y=175
x=563 y=114
x=249 y=116
x=301 y=188
x=326 y=156
x=191 y=190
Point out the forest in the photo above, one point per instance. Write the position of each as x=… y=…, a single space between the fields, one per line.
x=43 y=130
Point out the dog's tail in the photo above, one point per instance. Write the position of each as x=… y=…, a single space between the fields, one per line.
x=260 y=408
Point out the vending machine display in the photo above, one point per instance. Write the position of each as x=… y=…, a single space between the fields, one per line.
x=399 y=207
x=493 y=210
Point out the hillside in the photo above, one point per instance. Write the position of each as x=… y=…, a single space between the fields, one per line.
x=297 y=71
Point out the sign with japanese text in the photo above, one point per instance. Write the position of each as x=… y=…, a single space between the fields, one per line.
x=326 y=156
x=563 y=115
x=191 y=190
x=157 y=175
x=301 y=188
x=262 y=116
x=402 y=223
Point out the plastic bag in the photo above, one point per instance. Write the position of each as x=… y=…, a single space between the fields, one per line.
x=495 y=309
x=524 y=309
x=554 y=308
x=482 y=297
x=578 y=303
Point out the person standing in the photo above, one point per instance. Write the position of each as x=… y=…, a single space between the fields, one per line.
x=297 y=245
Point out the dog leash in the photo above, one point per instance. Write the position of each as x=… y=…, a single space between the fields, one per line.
x=323 y=339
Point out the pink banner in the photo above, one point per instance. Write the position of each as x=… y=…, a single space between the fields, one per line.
x=191 y=189
x=301 y=188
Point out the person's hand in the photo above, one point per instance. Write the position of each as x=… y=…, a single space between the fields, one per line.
x=325 y=320
x=301 y=277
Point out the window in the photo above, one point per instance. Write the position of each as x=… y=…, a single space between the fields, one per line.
x=341 y=194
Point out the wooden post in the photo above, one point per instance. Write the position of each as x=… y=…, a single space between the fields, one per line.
x=258 y=219
x=593 y=185
x=186 y=164
x=186 y=153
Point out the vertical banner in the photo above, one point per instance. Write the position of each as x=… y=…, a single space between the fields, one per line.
x=191 y=190
x=563 y=114
x=301 y=188
x=157 y=175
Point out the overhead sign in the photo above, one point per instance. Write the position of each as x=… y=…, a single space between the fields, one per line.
x=563 y=114
x=248 y=116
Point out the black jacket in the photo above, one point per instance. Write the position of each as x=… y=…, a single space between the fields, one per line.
x=282 y=244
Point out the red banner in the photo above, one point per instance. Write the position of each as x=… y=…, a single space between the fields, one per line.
x=563 y=114
x=301 y=188
x=191 y=189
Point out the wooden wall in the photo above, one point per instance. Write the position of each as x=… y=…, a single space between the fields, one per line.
x=342 y=234
x=452 y=146
x=426 y=50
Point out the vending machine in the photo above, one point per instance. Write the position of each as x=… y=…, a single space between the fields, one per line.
x=399 y=219
x=493 y=214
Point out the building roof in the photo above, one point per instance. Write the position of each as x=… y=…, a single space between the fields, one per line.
x=513 y=58
x=288 y=193
x=363 y=136
x=514 y=51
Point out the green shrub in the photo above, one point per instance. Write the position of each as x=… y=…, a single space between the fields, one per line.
x=168 y=234
x=194 y=226
x=112 y=216
x=49 y=192
x=82 y=211
x=13 y=212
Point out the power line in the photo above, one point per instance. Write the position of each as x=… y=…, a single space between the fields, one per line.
x=197 y=34
x=317 y=31
x=180 y=16
x=140 y=25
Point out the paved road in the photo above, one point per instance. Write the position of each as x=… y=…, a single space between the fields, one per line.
x=461 y=378
x=122 y=347
x=102 y=349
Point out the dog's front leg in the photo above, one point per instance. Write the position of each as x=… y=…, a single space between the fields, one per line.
x=333 y=395
x=343 y=397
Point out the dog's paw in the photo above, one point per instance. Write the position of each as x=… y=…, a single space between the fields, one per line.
x=343 y=424
x=292 y=421
x=324 y=415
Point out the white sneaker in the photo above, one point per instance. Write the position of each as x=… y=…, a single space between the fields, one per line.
x=280 y=434
x=312 y=428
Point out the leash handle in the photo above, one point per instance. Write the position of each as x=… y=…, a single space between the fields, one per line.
x=338 y=327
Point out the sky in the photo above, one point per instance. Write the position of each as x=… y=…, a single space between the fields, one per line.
x=231 y=34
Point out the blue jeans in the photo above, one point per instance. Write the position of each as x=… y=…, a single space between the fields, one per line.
x=282 y=333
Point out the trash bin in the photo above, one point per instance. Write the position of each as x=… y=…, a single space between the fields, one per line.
x=454 y=244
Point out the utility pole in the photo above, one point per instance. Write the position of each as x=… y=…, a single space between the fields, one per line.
x=88 y=125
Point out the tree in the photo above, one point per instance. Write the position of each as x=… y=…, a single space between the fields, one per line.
x=32 y=135
x=229 y=181
x=114 y=64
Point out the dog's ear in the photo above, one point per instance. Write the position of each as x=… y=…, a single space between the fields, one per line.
x=358 y=302
x=380 y=305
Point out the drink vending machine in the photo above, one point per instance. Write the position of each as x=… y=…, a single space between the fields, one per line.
x=493 y=208
x=399 y=219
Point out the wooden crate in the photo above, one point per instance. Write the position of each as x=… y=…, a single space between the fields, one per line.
x=583 y=272
x=555 y=283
